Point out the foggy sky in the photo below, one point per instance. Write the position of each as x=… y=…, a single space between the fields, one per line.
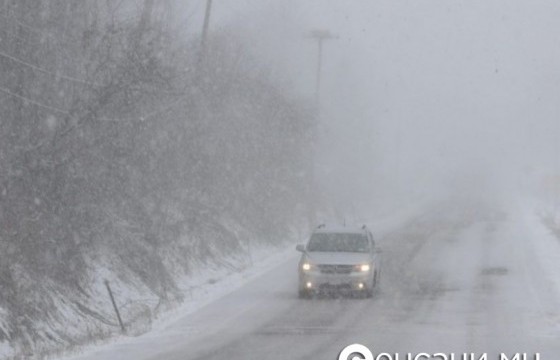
x=420 y=98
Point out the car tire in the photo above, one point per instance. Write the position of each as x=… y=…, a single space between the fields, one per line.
x=370 y=289
x=303 y=294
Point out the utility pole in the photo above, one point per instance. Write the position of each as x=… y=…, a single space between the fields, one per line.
x=206 y=24
x=146 y=16
x=320 y=36
x=203 y=39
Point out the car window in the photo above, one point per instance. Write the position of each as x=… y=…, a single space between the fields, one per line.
x=338 y=242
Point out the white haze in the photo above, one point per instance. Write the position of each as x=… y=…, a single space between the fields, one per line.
x=420 y=99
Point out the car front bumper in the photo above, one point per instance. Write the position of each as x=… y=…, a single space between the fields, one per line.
x=316 y=281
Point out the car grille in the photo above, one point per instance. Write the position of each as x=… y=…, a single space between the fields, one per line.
x=336 y=269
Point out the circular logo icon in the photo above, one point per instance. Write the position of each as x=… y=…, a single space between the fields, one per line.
x=355 y=352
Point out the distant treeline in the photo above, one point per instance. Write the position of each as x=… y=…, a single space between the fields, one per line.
x=125 y=143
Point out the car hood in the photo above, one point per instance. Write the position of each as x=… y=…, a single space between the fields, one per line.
x=338 y=258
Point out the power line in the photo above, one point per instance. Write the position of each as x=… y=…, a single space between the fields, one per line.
x=147 y=116
x=34 y=102
x=102 y=118
x=162 y=110
x=57 y=75
x=78 y=80
x=22 y=24
x=37 y=30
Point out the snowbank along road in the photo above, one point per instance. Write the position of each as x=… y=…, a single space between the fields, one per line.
x=453 y=281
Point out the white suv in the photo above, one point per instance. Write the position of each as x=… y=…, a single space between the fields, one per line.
x=343 y=259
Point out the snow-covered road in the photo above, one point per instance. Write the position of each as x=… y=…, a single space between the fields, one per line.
x=453 y=282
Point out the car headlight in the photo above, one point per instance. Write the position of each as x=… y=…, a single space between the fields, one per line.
x=306 y=266
x=363 y=267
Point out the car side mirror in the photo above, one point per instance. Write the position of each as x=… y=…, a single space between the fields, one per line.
x=300 y=248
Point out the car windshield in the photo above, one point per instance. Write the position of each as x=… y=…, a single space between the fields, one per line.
x=338 y=242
